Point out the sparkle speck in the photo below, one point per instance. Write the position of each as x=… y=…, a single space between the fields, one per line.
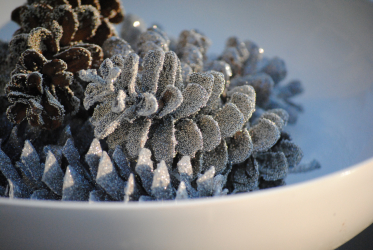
x=136 y=24
x=261 y=50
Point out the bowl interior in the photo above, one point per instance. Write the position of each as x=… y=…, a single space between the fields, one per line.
x=326 y=45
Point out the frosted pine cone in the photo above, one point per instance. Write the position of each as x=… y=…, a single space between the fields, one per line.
x=235 y=54
x=192 y=47
x=5 y=68
x=153 y=38
x=47 y=43
x=39 y=91
x=153 y=108
x=60 y=172
x=89 y=21
x=265 y=75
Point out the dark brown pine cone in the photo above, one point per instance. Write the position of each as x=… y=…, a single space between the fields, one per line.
x=5 y=69
x=46 y=42
x=80 y=21
x=39 y=91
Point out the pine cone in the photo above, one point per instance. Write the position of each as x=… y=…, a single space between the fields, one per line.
x=47 y=43
x=86 y=21
x=193 y=37
x=153 y=38
x=235 y=54
x=153 y=108
x=271 y=94
x=39 y=91
x=32 y=52
x=5 y=68
x=61 y=172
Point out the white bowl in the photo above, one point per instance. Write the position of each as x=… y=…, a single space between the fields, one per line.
x=328 y=46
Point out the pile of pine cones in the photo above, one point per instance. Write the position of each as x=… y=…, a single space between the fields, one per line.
x=90 y=116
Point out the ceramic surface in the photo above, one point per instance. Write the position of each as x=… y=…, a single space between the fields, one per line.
x=325 y=44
